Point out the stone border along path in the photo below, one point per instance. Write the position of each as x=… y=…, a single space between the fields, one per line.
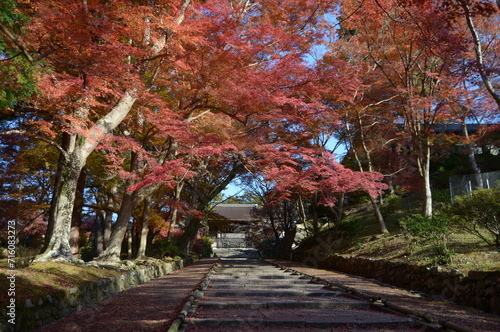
x=152 y=306
x=251 y=295
x=448 y=315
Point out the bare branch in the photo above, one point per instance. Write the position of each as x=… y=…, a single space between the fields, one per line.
x=24 y=132
x=22 y=48
x=13 y=132
x=478 y=51
x=380 y=102
x=194 y=117
x=16 y=41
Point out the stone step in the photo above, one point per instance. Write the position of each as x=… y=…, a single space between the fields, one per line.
x=270 y=275
x=312 y=318
x=267 y=292
x=255 y=302
x=247 y=295
x=257 y=280
x=264 y=285
x=247 y=328
x=257 y=276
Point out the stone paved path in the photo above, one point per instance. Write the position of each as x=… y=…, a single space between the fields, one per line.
x=149 y=307
x=469 y=318
x=153 y=306
x=247 y=294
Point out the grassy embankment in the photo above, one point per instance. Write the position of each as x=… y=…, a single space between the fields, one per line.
x=39 y=279
x=358 y=235
x=35 y=280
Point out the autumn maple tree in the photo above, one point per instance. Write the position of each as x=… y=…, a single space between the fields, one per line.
x=148 y=110
x=95 y=78
x=417 y=50
x=108 y=61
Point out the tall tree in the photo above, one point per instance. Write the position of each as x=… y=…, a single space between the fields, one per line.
x=366 y=122
x=248 y=71
x=415 y=48
x=94 y=81
x=486 y=57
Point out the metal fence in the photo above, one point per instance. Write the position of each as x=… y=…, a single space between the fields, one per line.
x=464 y=184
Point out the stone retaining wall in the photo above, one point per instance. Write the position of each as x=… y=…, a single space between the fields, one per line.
x=33 y=314
x=479 y=289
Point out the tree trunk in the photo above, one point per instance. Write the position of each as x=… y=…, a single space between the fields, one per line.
x=187 y=239
x=129 y=242
x=113 y=249
x=472 y=156
x=285 y=246
x=482 y=69
x=74 y=159
x=380 y=218
x=376 y=210
x=99 y=233
x=56 y=191
x=108 y=220
x=340 y=209
x=58 y=248
x=19 y=202
x=390 y=183
x=421 y=147
x=475 y=168
x=76 y=217
x=426 y=182
x=141 y=251
x=129 y=202
x=178 y=190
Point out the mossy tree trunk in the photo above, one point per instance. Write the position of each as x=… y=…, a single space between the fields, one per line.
x=72 y=161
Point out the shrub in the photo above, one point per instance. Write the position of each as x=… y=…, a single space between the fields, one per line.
x=350 y=227
x=391 y=203
x=87 y=253
x=198 y=248
x=479 y=214
x=170 y=250
x=207 y=246
x=429 y=230
x=266 y=248
x=165 y=248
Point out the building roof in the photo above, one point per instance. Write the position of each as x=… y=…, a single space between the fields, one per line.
x=236 y=212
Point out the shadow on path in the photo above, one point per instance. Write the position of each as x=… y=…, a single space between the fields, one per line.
x=236 y=252
x=152 y=306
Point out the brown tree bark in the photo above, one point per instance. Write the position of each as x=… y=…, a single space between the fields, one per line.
x=141 y=250
x=76 y=217
x=74 y=159
x=187 y=239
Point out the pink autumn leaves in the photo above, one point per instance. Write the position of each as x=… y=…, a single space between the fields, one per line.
x=308 y=172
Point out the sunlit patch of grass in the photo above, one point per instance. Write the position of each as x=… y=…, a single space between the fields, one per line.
x=360 y=237
x=468 y=252
x=44 y=278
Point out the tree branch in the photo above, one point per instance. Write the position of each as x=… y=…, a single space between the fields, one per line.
x=478 y=51
x=22 y=48
x=25 y=132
